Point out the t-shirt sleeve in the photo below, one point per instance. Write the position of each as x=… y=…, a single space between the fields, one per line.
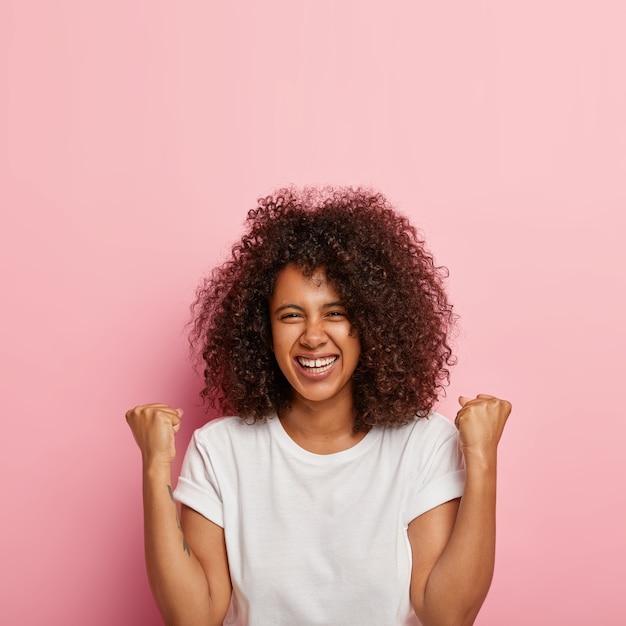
x=438 y=474
x=198 y=486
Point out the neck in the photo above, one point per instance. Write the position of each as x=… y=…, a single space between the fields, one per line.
x=321 y=428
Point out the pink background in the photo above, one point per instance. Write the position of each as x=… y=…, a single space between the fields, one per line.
x=134 y=136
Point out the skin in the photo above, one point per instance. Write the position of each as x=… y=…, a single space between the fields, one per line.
x=453 y=545
x=188 y=572
x=309 y=321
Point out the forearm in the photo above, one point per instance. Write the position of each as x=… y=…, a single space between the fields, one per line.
x=177 y=580
x=460 y=580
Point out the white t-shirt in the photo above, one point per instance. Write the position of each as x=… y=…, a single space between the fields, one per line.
x=319 y=539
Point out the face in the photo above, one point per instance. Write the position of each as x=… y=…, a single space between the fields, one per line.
x=312 y=337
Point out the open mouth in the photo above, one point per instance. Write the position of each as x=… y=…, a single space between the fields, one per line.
x=317 y=366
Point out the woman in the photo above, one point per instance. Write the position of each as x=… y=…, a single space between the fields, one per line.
x=334 y=496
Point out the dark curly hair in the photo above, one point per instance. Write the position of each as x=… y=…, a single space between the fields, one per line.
x=380 y=267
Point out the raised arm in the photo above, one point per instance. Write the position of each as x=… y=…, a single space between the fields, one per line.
x=454 y=544
x=189 y=575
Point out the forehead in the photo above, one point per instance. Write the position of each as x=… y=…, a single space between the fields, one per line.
x=292 y=281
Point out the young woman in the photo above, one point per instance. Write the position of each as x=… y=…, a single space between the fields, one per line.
x=334 y=495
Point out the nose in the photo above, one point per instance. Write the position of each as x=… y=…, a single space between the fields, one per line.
x=313 y=335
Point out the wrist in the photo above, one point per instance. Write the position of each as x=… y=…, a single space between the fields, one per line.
x=480 y=460
x=155 y=469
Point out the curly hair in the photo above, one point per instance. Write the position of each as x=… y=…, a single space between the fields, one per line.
x=375 y=259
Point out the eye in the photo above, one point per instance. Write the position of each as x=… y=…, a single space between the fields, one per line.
x=336 y=315
x=290 y=317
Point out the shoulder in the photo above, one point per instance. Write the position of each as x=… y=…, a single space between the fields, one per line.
x=433 y=428
x=419 y=442
x=219 y=424
x=225 y=431
x=435 y=425
x=424 y=441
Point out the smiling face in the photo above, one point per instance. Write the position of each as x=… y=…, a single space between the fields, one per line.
x=312 y=338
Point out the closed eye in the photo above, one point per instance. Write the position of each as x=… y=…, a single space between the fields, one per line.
x=336 y=314
x=287 y=317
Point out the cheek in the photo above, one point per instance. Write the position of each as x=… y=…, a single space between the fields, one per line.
x=356 y=350
x=352 y=337
x=282 y=339
x=275 y=336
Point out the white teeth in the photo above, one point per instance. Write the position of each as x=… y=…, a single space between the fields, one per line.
x=315 y=363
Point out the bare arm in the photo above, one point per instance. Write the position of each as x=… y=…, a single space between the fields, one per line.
x=188 y=590
x=454 y=545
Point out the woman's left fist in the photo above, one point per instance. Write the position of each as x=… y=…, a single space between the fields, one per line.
x=480 y=422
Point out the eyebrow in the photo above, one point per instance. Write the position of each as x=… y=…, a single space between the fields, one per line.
x=328 y=305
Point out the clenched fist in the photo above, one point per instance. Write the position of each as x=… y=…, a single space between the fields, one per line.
x=154 y=427
x=480 y=422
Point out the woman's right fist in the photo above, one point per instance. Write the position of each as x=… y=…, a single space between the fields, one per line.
x=154 y=427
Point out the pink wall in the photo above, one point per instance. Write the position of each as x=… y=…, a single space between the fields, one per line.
x=133 y=138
